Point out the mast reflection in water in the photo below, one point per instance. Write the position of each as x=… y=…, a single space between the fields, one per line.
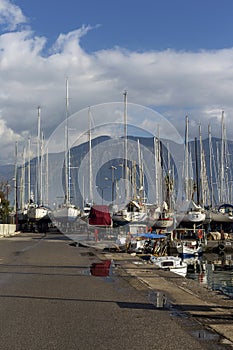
x=215 y=273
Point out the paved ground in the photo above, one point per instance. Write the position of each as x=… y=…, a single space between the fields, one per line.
x=49 y=300
x=211 y=309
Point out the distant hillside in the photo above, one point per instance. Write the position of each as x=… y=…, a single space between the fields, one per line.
x=78 y=157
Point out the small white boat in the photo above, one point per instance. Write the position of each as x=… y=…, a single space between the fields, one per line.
x=189 y=249
x=171 y=263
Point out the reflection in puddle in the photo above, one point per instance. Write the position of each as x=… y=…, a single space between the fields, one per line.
x=102 y=269
x=217 y=273
x=205 y=335
x=158 y=299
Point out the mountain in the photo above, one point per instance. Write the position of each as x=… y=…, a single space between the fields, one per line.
x=107 y=154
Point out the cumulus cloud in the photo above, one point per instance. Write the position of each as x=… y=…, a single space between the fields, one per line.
x=174 y=83
x=8 y=138
x=10 y=15
x=68 y=42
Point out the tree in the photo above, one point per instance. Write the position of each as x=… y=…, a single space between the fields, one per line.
x=4 y=202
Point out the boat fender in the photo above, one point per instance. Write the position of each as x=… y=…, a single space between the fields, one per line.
x=199 y=234
x=221 y=247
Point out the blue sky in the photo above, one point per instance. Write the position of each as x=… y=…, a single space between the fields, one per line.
x=175 y=57
x=136 y=25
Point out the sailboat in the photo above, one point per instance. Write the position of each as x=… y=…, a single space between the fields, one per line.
x=134 y=211
x=67 y=212
x=37 y=211
x=194 y=214
x=190 y=212
x=131 y=214
x=19 y=208
x=224 y=212
x=87 y=204
x=162 y=215
x=165 y=217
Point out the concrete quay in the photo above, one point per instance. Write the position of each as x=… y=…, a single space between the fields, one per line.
x=50 y=300
x=192 y=304
x=32 y=261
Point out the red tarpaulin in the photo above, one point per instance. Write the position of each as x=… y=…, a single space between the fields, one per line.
x=100 y=216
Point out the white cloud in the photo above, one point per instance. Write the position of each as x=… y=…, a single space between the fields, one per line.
x=8 y=138
x=10 y=15
x=175 y=83
x=68 y=42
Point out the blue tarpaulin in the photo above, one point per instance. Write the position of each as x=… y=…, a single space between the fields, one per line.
x=149 y=235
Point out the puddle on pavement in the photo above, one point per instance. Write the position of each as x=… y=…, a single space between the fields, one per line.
x=87 y=254
x=138 y=262
x=180 y=314
x=86 y=272
x=203 y=334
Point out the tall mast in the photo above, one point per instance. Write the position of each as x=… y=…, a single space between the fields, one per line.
x=41 y=168
x=210 y=165
x=16 y=186
x=186 y=162
x=29 y=169
x=67 y=194
x=169 y=178
x=157 y=164
x=202 y=175
x=141 y=175
x=15 y=179
x=222 y=160
x=205 y=191
x=38 y=157
x=47 y=176
x=197 y=170
x=218 y=159
x=22 y=181
x=125 y=145
x=90 y=157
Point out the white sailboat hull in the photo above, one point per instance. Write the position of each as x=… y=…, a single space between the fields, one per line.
x=37 y=213
x=164 y=220
x=191 y=216
x=220 y=217
x=163 y=223
x=129 y=217
x=66 y=213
